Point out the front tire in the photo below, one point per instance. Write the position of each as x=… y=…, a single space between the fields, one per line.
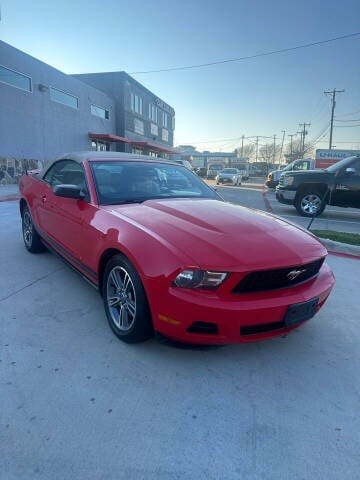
x=309 y=203
x=32 y=240
x=125 y=301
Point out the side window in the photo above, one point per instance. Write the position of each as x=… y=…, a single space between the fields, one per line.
x=66 y=172
x=301 y=166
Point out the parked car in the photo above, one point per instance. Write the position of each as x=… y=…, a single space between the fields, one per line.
x=229 y=175
x=310 y=191
x=177 y=258
x=299 y=164
x=213 y=169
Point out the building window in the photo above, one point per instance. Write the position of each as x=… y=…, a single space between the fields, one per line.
x=165 y=119
x=139 y=126
x=137 y=150
x=154 y=129
x=98 y=146
x=153 y=113
x=64 y=98
x=165 y=135
x=15 y=79
x=100 y=112
x=136 y=104
x=173 y=122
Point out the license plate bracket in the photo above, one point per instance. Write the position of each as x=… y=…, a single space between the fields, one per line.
x=299 y=312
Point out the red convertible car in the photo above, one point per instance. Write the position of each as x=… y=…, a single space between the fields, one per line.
x=169 y=254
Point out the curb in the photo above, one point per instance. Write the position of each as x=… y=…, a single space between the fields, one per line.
x=341 y=249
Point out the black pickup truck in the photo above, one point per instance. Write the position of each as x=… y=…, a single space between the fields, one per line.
x=310 y=191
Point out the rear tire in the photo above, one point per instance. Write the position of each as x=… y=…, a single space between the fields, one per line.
x=309 y=203
x=32 y=240
x=125 y=301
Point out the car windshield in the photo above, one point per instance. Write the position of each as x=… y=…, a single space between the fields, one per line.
x=120 y=182
x=339 y=165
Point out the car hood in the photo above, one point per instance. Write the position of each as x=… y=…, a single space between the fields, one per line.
x=219 y=235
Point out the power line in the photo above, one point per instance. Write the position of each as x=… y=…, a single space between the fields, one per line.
x=349 y=113
x=249 y=57
x=347 y=126
x=355 y=120
x=351 y=141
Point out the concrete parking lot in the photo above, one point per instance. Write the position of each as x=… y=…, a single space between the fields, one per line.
x=77 y=403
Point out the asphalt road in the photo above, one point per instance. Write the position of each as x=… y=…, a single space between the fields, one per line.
x=76 y=403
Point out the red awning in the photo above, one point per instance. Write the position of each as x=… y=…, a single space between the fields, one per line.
x=109 y=137
x=154 y=146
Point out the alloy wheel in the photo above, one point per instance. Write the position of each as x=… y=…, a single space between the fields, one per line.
x=121 y=298
x=310 y=204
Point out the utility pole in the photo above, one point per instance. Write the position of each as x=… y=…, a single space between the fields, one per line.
x=333 y=94
x=274 y=148
x=282 y=146
x=291 y=144
x=242 y=145
x=303 y=134
x=256 y=148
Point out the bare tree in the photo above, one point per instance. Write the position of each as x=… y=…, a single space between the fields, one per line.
x=268 y=153
x=245 y=151
x=295 y=150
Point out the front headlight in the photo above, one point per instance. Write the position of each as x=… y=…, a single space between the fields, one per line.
x=199 y=279
x=288 y=181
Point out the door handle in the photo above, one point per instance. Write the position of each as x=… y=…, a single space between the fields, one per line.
x=43 y=198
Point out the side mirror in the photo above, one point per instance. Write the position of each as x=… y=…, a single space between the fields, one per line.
x=69 y=191
x=350 y=171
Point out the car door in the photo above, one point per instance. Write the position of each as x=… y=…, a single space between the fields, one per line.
x=62 y=218
x=346 y=189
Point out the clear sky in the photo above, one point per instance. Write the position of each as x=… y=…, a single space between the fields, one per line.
x=214 y=105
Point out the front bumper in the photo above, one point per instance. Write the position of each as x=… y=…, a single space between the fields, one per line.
x=285 y=196
x=226 y=180
x=237 y=318
x=271 y=183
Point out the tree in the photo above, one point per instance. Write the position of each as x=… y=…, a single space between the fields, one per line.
x=245 y=151
x=295 y=150
x=269 y=154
